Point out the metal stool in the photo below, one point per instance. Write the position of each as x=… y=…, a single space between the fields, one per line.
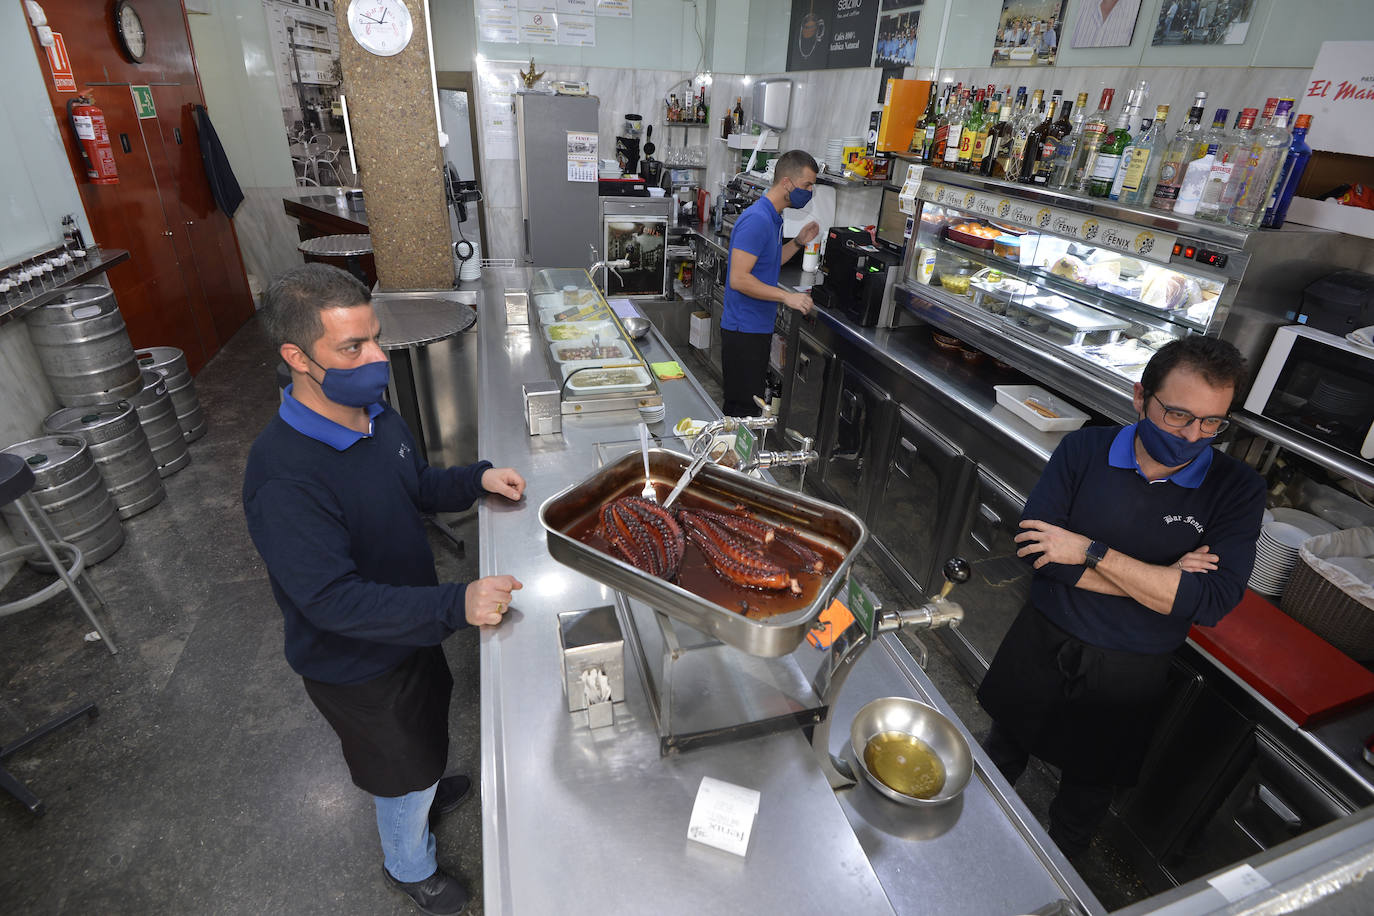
x=15 y=482
x=9 y=782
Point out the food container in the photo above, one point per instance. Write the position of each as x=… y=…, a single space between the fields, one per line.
x=832 y=526
x=956 y=283
x=584 y=349
x=599 y=379
x=1007 y=246
x=969 y=238
x=564 y=331
x=1020 y=398
x=904 y=718
x=924 y=261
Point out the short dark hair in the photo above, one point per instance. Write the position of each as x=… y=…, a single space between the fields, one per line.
x=292 y=304
x=793 y=163
x=1216 y=360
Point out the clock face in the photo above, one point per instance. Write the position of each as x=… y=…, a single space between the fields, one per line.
x=383 y=27
x=129 y=25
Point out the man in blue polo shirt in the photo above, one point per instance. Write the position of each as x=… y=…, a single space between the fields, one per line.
x=1135 y=534
x=334 y=493
x=752 y=294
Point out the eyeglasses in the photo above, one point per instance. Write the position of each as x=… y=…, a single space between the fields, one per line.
x=1182 y=419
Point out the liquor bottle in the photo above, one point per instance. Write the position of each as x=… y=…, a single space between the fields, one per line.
x=1114 y=143
x=738 y=115
x=1059 y=129
x=1195 y=175
x=1035 y=140
x=1256 y=174
x=701 y=106
x=1219 y=178
x=1140 y=165
x=1066 y=148
x=937 y=152
x=957 y=115
x=972 y=128
x=918 y=136
x=1096 y=125
x=1020 y=131
x=1293 y=166
x=1181 y=151
x=985 y=144
x=1001 y=163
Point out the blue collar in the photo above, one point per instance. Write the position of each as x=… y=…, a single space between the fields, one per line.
x=1122 y=455
x=322 y=429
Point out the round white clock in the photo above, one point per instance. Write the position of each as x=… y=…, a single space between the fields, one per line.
x=383 y=27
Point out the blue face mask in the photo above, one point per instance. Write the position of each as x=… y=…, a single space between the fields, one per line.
x=1166 y=448
x=359 y=387
x=798 y=198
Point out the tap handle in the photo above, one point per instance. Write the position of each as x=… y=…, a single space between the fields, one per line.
x=956 y=571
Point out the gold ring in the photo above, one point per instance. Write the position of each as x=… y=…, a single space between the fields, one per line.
x=499 y=605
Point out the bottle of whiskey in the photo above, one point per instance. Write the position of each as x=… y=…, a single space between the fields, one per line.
x=972 y=127
x=1035 y=140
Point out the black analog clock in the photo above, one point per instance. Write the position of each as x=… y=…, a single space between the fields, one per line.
x=129 y=27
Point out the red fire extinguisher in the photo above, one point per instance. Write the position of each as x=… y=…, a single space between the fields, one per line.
x=93 y=140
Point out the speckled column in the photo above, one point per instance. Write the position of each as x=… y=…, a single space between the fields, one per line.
x=391 y=112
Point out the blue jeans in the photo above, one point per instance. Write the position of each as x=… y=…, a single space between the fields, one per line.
x=407 y=843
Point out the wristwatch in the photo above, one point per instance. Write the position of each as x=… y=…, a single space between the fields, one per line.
x=1094 y=554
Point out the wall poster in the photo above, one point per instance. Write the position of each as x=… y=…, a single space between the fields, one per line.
x=1105 y=23
x=1203 y=22
x=896 y=42
x=1028 y=33
x=831 y=34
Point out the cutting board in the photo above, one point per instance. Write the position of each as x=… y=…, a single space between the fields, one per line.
x=1307 y=678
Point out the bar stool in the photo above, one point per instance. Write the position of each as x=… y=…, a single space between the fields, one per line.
x=16 y=480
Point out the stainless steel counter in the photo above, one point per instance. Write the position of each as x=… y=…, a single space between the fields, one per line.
x=580 y=821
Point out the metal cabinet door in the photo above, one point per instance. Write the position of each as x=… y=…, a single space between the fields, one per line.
x=857 y=439
x=808 y=373
x=1000 y=583
x=917 y=509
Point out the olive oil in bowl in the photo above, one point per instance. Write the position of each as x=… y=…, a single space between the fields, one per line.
x=905 y=764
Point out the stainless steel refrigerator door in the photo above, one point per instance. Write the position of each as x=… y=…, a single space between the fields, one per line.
x=561 y=217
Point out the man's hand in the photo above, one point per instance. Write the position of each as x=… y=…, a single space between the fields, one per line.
x=505 y=481
x=800 y=302
x=1200 y=560
x=1054 y=544
x=487 y=600
x=808 y=232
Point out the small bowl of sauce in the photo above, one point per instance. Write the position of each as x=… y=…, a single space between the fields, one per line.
x=910 y=752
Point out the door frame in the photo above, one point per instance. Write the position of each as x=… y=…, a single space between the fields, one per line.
x=463 y=80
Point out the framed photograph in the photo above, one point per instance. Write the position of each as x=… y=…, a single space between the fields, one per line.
x=1105 y=23
x=1028 y=33
x=1203 y=22
x=895 y=46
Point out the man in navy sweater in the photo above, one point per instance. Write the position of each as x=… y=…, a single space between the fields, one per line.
x=1136 y=534
x=334 y=493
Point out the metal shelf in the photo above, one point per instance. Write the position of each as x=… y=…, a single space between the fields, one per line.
x=1307 y=447
x=97 y=261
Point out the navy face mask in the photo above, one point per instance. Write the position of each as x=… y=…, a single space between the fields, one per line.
x=1166 y=448
x=798 y=198
x=362 y=386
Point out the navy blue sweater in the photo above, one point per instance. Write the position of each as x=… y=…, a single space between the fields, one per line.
x=1086 y=489
x=344 y=541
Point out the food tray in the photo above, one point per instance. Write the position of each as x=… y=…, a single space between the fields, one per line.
x=1013 y=398
x=565 y=331
x=964 y=238
x=768 y=637
x=568 y=368
x=635 y=378
x=555 y=314
x=579 y=350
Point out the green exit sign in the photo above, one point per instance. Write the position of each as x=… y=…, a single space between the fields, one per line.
x=143 y=101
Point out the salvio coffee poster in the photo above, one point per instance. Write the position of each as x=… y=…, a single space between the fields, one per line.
x=830 y=34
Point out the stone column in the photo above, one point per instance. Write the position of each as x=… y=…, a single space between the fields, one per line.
x=391 y=113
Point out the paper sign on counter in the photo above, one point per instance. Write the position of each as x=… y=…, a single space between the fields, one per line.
x=1238 y=883
x=723 y=815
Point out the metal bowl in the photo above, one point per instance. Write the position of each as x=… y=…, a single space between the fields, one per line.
x=901 y=714
x=635 y=326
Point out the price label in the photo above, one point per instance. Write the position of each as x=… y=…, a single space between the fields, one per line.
x=744 y=444
x=723 y=815
x=862 y=605
x=1238 y=883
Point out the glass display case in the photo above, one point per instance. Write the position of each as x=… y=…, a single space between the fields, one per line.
x=590 y=354
x=1082 y=292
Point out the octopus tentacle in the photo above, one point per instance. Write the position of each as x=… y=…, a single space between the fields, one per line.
x=743 y=524
x=664 y=529
x=632 y=529
x=732 y=570
x=811 y=560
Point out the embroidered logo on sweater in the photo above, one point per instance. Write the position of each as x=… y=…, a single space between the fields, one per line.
x=1185 y=519
x=404 y=451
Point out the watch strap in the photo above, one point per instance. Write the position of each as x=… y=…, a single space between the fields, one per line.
x=1094 y=554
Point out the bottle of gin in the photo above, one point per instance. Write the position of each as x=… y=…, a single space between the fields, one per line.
x=1293 y=166
x=1109 y=153
x=1181 y=151
x=1214 y=205
x=1096 y=125
x=1195 y=175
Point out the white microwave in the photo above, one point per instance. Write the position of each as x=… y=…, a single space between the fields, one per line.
x=1318 y=384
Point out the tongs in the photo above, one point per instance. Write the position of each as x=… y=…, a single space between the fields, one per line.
x=702 y=446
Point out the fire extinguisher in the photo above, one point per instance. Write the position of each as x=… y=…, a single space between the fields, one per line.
x=93 y=139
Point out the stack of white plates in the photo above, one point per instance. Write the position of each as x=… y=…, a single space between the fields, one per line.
x=1276 y=551
x=834 y=151
x=653 y=414
x=1343 y=400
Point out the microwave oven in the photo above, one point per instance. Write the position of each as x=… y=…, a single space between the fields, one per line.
x=1318 y=384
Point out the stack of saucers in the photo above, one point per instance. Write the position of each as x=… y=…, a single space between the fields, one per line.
x=834 y=154
x=653 y=413
x=1276 y=551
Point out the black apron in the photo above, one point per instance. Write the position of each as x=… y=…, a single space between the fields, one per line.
x=394 y=728
x=1089 y=711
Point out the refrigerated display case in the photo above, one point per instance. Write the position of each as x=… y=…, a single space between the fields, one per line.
x=1081 y=292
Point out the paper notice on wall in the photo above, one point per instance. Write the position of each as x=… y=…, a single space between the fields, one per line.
x=498 y=123
x=546 y=6
x=582 y=163
x=497 y=23
x=538 y=28
x=576 y=30
x=1338 y=95
x=578 y=7
x=619 y=8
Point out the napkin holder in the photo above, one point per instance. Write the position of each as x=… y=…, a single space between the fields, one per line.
x=591 y=640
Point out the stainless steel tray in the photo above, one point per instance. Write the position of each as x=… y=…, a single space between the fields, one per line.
x=769 y=637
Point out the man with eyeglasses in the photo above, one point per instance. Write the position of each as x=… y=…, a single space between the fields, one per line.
x=1135 y=535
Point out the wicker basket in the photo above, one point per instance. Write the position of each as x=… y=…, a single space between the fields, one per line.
x=1324 y=608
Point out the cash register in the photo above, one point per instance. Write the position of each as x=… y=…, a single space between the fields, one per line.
x=858 y=265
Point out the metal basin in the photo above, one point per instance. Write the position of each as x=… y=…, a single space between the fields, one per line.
x=635 y=326
x=905 y=715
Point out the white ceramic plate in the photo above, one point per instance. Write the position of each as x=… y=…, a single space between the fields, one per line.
x=1305 y=520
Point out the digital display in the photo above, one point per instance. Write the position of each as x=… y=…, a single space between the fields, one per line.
x=891 y=220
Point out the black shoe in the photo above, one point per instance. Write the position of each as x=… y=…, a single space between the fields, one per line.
x=439 y=895
x=450 y=794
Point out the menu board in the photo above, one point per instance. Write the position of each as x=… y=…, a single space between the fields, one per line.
x=1101 y=233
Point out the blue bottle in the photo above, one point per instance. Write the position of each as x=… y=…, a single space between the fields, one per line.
x=1298 y=154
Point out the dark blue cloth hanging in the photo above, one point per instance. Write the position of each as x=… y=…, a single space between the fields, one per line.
x=223 y=185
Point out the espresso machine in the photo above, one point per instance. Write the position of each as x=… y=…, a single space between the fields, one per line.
x=627 y=151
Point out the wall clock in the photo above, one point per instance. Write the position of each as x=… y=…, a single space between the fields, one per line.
x=383 y=27
x=129 y=27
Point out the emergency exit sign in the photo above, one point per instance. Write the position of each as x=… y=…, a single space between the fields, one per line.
x=143 y=101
